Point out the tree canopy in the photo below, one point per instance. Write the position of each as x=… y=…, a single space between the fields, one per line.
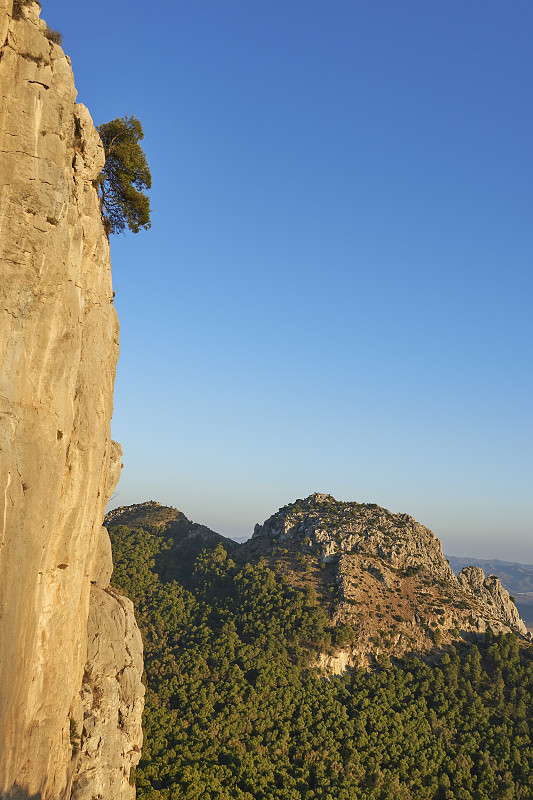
x=125 y=176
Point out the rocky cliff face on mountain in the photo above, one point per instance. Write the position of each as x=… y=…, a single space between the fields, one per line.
x=490 y=590
x=70 y=654
x=516 y=577
x=385 y=575
x=334 y=529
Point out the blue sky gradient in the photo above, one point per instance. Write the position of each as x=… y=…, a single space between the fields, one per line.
x=335 y=294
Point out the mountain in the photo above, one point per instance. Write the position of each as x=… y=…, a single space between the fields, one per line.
x=381 y=574
x=385 y=575
x=184 y=540
x=317 y=660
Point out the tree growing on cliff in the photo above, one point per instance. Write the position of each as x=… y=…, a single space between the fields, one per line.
x=125 y=176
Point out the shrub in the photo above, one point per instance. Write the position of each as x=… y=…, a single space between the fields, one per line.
x=53 y=36
x=75 y=738
x=383 y=660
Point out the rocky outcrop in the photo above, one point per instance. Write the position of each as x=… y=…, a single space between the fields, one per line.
x=321 y=523
x=58 y=465
x=106 y=726
x=385 y=575
x=491 y=592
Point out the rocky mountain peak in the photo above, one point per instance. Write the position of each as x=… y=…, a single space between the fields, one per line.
x=381 y=575
x=386 y=575
x=331 y=528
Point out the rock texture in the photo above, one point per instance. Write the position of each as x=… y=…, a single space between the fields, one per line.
x=107 y=721
x=385 y=575
x=490 y=590
x=515 y=577
x=345 y=528
x=58 y=465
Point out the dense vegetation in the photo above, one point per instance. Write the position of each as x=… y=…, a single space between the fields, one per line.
x=235 y=710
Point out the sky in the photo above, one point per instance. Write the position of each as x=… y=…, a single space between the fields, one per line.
x=335 y=292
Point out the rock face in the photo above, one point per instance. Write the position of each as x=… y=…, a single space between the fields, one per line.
x=345 y=528
x=107 y=721
x=490 y=590
x=58 y=465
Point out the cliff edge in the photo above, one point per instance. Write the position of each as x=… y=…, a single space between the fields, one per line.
x=70 y=651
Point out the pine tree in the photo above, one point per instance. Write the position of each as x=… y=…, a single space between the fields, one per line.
x=124 y=177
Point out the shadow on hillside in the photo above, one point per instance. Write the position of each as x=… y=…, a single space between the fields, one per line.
x=18 y=793
x=189 y=541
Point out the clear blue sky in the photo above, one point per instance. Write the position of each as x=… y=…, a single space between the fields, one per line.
x=335 y=294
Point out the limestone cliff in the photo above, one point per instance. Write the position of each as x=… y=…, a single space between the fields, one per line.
x=70 y=655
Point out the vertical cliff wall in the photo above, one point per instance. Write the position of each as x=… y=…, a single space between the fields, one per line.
x=70 y=653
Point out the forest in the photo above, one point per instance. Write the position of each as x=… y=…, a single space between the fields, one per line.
x=236 y=709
